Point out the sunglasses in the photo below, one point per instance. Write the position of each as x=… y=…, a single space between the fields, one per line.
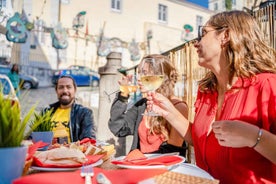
x=202 y=31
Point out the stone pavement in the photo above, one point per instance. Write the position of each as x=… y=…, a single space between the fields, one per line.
x=43 y=96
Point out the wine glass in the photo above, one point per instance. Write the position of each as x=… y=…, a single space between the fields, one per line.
x=128 y=84
x=152 y=76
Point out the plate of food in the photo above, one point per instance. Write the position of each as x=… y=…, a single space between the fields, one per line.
x=137 y=160
x=99 y=162
x=63 y=158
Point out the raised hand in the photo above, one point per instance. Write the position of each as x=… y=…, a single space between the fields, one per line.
x=159 y=104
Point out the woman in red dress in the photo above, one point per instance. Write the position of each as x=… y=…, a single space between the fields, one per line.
x=234 y=129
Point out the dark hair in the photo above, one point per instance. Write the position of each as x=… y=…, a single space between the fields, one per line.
x=67 y=76
x=13 y=69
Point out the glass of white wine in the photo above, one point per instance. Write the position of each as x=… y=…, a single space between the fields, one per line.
x=129 y=84
x=152 y=76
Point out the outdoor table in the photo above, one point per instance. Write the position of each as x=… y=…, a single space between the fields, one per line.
x=192 y=174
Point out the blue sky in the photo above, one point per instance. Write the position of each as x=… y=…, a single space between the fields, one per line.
x=203 y=3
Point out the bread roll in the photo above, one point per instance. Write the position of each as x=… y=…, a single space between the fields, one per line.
x=109 y=150
x=62 y=155
x=93 y=150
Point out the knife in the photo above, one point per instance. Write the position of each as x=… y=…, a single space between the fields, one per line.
x=150 y=156
x=102 y=179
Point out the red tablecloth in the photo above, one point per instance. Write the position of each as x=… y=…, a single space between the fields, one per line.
x=120 y=176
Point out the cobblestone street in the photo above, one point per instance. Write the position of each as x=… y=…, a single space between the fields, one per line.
x=44 y=96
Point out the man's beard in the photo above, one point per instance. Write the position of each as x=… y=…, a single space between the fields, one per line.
x=65 y=101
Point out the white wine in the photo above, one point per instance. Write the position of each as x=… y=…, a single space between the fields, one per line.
x=152 y=82
x=128 y=88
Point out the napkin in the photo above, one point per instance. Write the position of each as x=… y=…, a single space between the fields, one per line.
x=32 y=149
x=130 y=176
x=86 y=140
x=91 y=159
x=160 y=160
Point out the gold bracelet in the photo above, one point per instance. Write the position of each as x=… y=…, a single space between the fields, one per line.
x=260 y=133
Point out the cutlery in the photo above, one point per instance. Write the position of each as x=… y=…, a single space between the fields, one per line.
x=102 y=179
x=161 y=155
x=87 y=172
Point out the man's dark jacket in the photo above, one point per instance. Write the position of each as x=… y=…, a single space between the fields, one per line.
x=81 y=123
x=124 y=122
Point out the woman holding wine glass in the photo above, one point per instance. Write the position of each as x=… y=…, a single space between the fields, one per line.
x=151 y=134
x=234 y=128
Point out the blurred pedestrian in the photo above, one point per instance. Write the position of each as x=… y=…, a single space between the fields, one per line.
x=14 y=78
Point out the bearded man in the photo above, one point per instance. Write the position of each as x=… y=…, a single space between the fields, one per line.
x=72 y=121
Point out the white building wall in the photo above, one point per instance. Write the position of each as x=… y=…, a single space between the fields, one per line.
x=134 y=20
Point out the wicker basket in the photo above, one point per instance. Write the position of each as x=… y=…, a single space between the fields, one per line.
x=178 y=178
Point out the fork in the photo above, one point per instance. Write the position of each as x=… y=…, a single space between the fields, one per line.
x=87 y=172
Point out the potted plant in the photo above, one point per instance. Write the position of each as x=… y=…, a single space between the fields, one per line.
x=12 y=129
x=41 y=128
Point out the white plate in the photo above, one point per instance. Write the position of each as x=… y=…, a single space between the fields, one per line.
x=191 y=169
x=149 y=166
x=99 y=162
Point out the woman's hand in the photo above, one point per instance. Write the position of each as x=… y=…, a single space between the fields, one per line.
x=125 y=81
x=159 y=104
x=235 y=134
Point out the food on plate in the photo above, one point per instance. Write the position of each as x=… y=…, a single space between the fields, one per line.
x=135 y=154
x=77 y=145
x=88 y=148
x=109 y=150
x=73 y=145
x=93 y=150
x=62 y=155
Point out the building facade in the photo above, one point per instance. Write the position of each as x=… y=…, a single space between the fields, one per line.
x=89 y=30
x=223 y=5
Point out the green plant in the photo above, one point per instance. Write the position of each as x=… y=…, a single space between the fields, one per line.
x=228 y=5
x=12 y=126
x=42 y=122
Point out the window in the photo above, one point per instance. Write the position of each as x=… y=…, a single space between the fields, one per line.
x=216 y=6
x=199 y=21
x=39 y=36
x=116 y=5
x=234 y=2
x=3 y=3
x=162 y=13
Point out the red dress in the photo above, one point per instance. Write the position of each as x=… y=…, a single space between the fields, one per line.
x=148 y=142
x=252 y=102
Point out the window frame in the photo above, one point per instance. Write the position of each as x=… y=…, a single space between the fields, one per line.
x=162 y=13
x=199 y=21
x=116 y=5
